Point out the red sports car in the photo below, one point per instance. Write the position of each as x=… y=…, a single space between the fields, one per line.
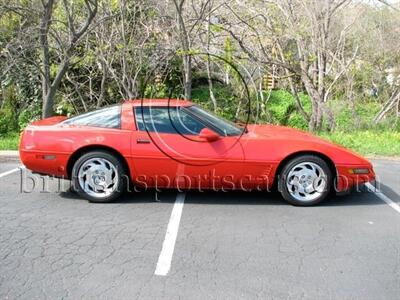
x=164 y=143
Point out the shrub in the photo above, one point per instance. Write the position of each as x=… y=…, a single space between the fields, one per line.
x=297 y=120
x=65 y=108
x=282 y=106
x=226 y=100
x=27 y=116
x=6 y=121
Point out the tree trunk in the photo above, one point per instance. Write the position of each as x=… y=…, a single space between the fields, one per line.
x=315 y=121
x=48 y=102
x=208 y=60
x=185 y=42
x=388 y=106
x=187 y=67
x=44 y=44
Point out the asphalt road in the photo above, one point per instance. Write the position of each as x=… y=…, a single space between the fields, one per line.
x=233 y=245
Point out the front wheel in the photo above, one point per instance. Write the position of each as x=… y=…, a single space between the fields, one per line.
x=99 y=176
x=305 y=180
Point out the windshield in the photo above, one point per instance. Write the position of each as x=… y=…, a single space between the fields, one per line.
x=222 y=126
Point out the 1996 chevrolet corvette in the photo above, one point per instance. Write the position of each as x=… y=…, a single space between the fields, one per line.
x=166 y=143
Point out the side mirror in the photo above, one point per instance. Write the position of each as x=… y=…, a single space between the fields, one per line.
x=208 y=135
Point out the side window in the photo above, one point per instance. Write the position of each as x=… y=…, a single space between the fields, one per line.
x=108 y=117
x=167 y=120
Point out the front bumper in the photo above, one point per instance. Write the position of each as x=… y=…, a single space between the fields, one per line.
x=347 y=178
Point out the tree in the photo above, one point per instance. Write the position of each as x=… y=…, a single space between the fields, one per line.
x=65 y=48
x=184 y=39
x=77 y=55
x=307 y=43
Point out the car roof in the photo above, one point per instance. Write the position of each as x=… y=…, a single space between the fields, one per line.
x=159 y=102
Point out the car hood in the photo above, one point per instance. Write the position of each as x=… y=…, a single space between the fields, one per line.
x=281 y=132
x=293 y=140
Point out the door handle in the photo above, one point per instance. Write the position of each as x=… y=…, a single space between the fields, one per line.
x=143 y=141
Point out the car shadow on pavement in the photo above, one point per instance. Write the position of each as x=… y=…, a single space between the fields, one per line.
x=389 y=192
x=353 y=199
x=274 y=198
x=362 y=197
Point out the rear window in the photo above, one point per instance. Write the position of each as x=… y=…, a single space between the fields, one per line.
x=108 y=117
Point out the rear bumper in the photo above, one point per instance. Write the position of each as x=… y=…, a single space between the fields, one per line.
x=53 y=164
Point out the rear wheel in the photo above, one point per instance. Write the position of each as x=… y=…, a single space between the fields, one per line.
x=305 y=180
x=99 y=176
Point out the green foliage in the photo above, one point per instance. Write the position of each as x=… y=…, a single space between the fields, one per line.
x=193 y=52
x=230 y=63
x=227 y=102
x=362 y=117
x=28 y=115
x=9 y=111
x=65 y=108
x=9 y=142
x=6 y=121
x=282 y=106
x=216 y=28
x=19 y=88
x=296 y=120
x=174 y=76
x=367 y=142
x=169 y=84
x=156 y=90
x=116 y=59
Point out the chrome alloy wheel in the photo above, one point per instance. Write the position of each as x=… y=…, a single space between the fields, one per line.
x=306 y=181
x=98 y=177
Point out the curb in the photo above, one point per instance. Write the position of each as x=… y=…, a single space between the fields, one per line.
x=9 y=155
x=381 y=157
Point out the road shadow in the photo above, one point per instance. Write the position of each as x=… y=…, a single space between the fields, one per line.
x=168 y=196
x=274 y=198
x=389 y=192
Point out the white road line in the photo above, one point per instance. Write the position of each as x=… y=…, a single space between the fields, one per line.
x=165 y=258
x=11 y=171
x=383 y=197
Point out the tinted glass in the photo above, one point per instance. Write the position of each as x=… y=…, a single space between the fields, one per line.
x=218 y=124
x=167 y=120
x=109 y=117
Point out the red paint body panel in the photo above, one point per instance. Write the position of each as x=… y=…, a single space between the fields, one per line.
x=171 y=160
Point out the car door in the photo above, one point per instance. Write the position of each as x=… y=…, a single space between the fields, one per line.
x=213 y=165
x=168 y=151
x=220 y=162
x=152 y=168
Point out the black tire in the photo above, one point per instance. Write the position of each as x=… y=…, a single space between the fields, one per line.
x=119 y=174
x=302 y=162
